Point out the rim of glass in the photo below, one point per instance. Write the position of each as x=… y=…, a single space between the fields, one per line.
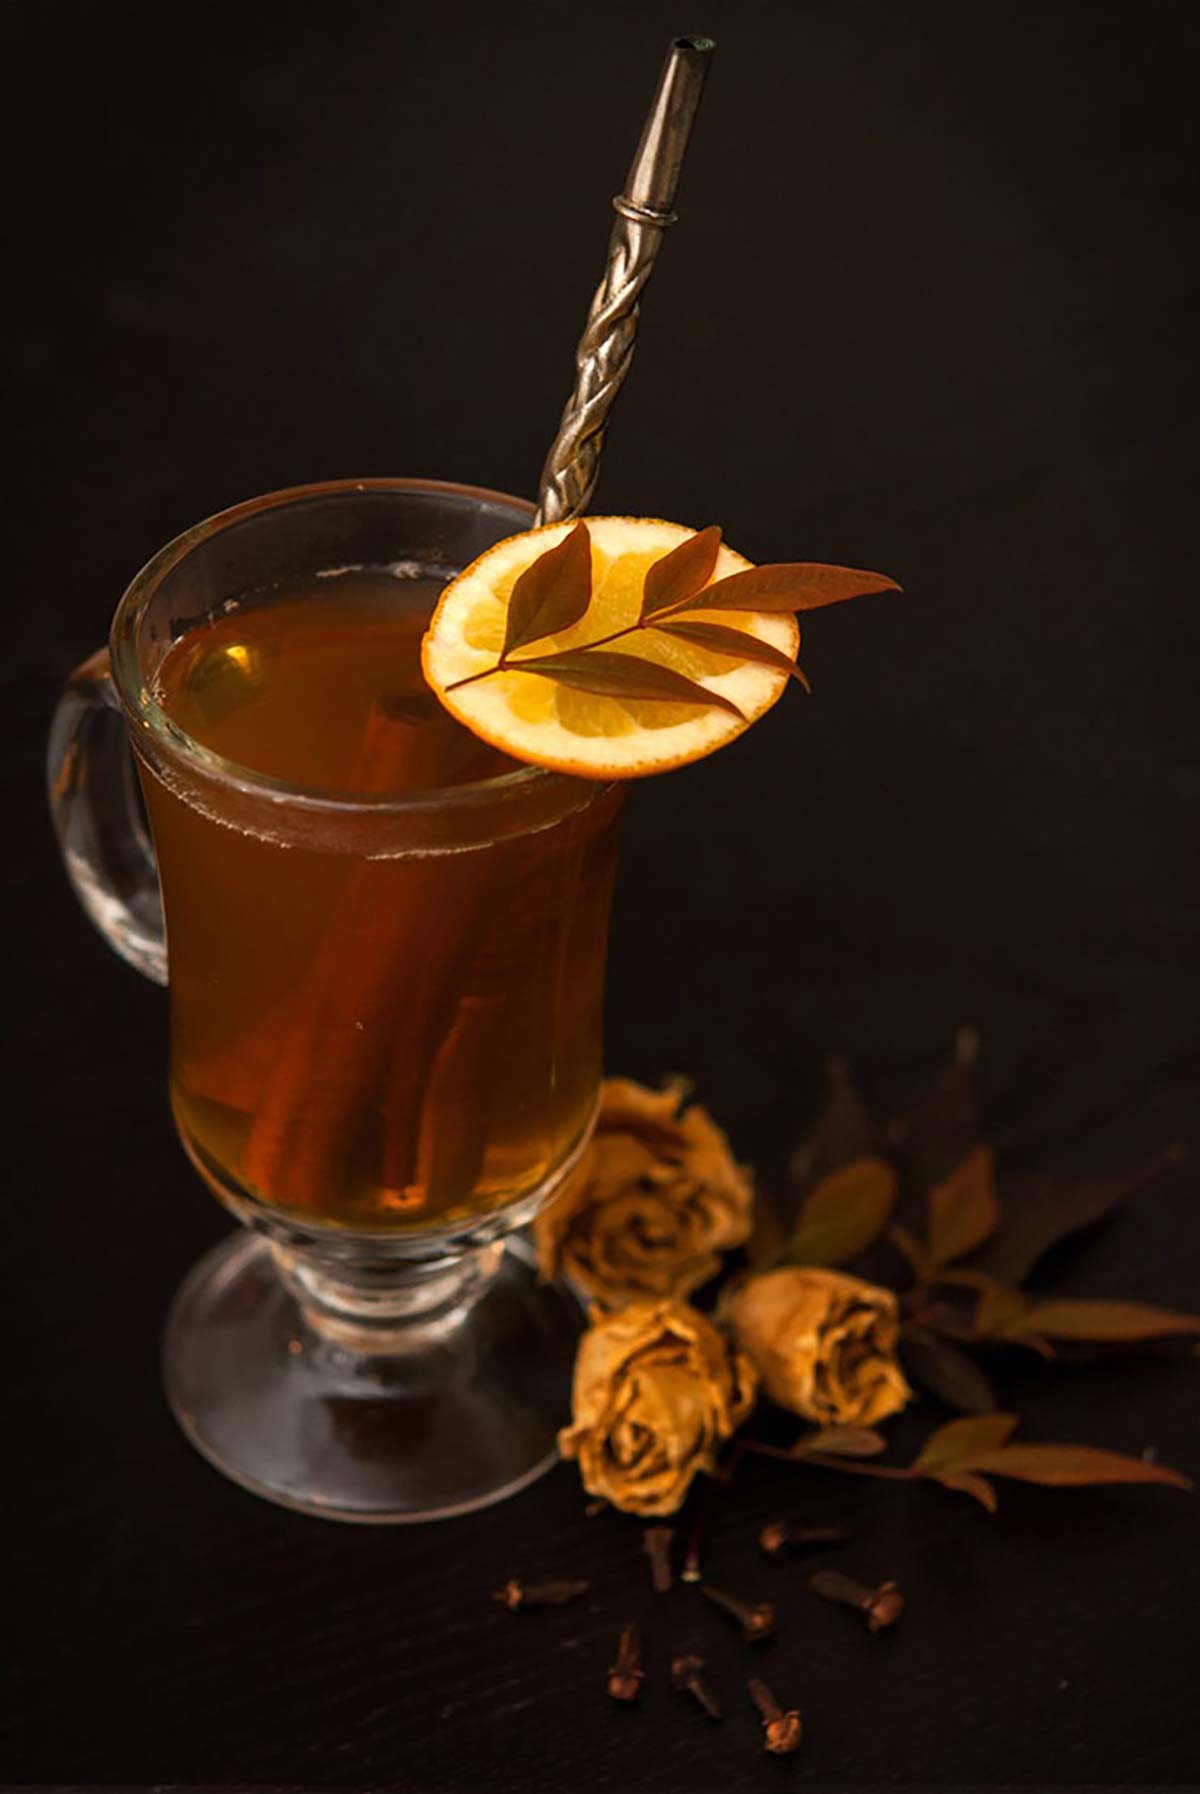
x=143 y=708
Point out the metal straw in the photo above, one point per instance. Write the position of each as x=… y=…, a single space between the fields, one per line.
x=606 y=347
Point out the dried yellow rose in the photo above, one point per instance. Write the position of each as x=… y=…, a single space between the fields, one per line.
x=824 y=1344
x=657 y=1198
x=657 y=1393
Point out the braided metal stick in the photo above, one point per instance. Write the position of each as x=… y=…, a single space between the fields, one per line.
x=606 y=347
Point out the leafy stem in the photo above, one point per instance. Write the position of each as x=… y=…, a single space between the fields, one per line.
x=832 y=1461
x=505 y=665
x=964 y=1454
x=554 y=593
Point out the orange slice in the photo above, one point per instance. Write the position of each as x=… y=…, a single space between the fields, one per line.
x=603 y=734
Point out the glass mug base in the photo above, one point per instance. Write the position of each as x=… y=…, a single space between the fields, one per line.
x=454 y=1411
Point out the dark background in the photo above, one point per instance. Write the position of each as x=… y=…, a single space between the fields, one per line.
x=926 y=310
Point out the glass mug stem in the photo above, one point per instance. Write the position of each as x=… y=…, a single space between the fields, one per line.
x=385 y=993
x=367 y=1307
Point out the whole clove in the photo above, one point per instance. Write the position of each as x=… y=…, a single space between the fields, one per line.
x=656 y=1543
x=757 y=1620
x=782 y=1730
x=691 y=1557
x=778 y=1538
x=687 y=1677
x=881 y=1606
x=626 y=1675
x=515 y=1594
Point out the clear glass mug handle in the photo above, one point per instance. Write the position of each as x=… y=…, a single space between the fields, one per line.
x=101 y=829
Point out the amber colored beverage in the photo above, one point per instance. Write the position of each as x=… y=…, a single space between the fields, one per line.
x=391 y=1042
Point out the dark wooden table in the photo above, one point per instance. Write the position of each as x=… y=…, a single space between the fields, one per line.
x=926 y=311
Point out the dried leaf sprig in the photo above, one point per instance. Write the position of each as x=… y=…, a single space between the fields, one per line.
x=554 y=593
x=964 y=1454
x=977 y=1244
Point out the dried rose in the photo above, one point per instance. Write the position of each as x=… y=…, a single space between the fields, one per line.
x=824 y=1343
x=657 y=1198
x=657 y=1392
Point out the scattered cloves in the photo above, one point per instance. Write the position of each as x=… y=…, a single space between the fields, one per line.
x=780 y=1537
x=781 y=1731
x=656 y=1543
x=882 y=1606
x=514 y=1593
x=626 y=1675
x=757 y=1621
x=686 y=1675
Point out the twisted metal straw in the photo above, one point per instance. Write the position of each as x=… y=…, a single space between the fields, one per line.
x=605 y=349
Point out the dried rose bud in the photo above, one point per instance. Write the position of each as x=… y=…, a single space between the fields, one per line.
x=656 y=1200
x=824 y=1342
x=656 y=1393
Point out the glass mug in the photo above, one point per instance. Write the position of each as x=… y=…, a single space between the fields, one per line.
x=385 y=1023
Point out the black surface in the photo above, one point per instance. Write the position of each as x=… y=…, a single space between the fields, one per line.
x=927 y=311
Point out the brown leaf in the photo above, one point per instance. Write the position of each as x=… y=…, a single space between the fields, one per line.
x=958 y=1444
x=553 y=592
x=940 y=1130
x=610 y=675
x=965 y=1482
x=769 y=1233
x=843 y=1131
x=1082 y=1318
x=737 y=644
x=998 y=1306
x=844 y=1442
x=788 y=585
x=1045 y=1208
x=910 y=1249
x=1072 y=1466
x=967 y=1277
x=945 y=1371
x=1000 y=1313
x=676 y=576
x=843 y=1214
x=963 y=1211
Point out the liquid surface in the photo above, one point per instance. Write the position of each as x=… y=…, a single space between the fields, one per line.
x=291 y=685
x=390 y=1043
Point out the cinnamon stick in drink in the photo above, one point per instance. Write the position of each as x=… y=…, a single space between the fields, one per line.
x=341 y=1030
